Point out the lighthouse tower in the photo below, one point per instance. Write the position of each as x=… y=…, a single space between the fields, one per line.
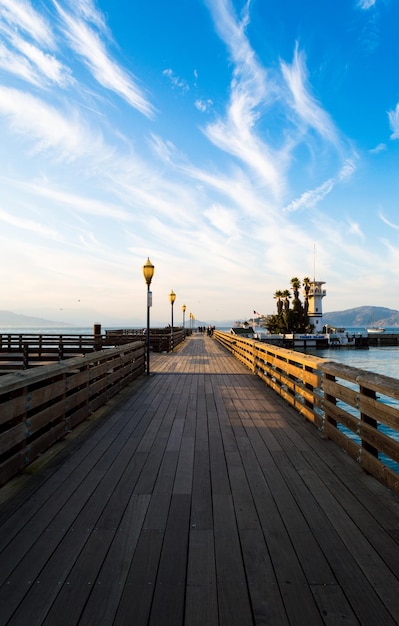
x=315 y=296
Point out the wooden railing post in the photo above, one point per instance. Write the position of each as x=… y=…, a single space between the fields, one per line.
x=97 y=337
x=25 y=356
x=332 y=400
x=369 y=393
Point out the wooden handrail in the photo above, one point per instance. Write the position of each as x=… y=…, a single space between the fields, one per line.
x=357 y=409
x=24 y=350
x=38 y=406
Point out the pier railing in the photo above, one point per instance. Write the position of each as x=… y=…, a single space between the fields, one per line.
x=39 y=406
x=19 y=351
x=358 y=410
x=161 y=339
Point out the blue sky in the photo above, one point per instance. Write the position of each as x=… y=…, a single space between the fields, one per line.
x=237 y=144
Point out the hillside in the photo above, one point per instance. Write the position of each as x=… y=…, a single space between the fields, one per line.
x=363 y=316
x=7 y=318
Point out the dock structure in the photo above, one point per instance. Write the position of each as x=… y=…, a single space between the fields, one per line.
x=200 y=498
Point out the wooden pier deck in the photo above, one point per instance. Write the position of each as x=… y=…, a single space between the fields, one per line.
x=201 y=499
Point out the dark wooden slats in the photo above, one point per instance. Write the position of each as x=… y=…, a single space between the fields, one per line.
x=203 y=499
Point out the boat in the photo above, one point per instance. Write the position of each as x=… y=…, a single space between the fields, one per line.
x=374 y=328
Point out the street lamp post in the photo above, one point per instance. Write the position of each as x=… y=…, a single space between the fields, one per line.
x=172 y=298
x=184 y=315
x=148 y=272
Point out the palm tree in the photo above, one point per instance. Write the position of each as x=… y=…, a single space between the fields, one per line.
x=306 y=285
x=296 y=285
x=278 y=295
x=286 y=295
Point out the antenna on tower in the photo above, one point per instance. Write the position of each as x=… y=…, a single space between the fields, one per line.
x=314 y=262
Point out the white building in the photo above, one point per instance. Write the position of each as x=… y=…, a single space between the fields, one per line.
x=315 y=309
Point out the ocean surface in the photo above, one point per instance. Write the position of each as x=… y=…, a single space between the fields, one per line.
x=381 y=360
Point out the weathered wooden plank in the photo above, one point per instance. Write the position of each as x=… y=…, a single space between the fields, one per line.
x=201 y=605
x=136 y=600
x=13 y=408
x=169 y=593
x=267 y=602
x=233 y=598
x=94 y=587
x=333 y=605
x=384 y=413
x=201 y=503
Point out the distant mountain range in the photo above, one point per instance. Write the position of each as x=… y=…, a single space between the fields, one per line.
x=7 y=318
x=363 y=316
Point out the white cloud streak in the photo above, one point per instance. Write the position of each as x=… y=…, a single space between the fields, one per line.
x=393 y=117
x=30 y=225
x=251 y=90
x=387 y=222
x=31 y=63
x=79 y=203
x=366 y=4
x=47 y=128
x=21 y=15
x=306 y=107
x=88 y=45
x=176 y=80
x=310 y=199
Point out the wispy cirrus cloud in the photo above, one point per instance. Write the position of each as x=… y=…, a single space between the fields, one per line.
x=22 y=16
x=354 y=228
x=86 y=42
x=388 y=222
x=250 y=91
x=26 y=60
x=30 y=225
x=308 y=110
x=393 y=117
x=78 y=203
x=87 y=10
x=49 y=129
x=366 y=4
x=18 y=65
x=224 y=219
x=310 y=199
x=203 y=105
x=381 y=147
x=28 y=47
x=254 y=92
x=176 y=81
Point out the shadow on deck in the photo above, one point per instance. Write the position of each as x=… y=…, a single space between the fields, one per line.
x=202 y=498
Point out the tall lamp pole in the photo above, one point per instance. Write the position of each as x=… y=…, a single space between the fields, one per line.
x=148 y=272
x=184 y=315
x=172 y=298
